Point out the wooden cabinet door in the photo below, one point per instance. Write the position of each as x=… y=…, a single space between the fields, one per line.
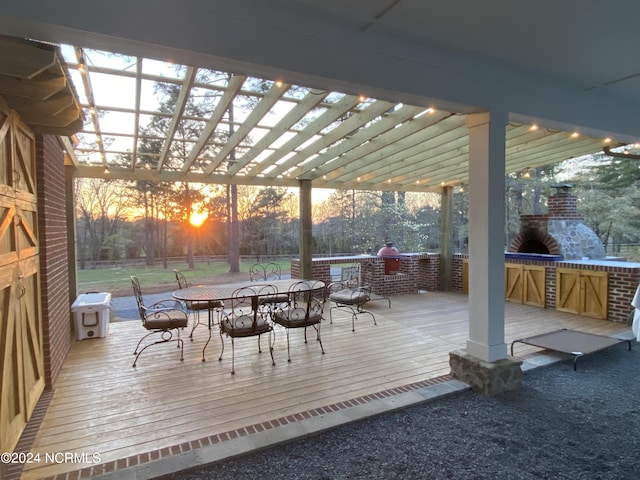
x=21 y=333
x=568 y=290
x=513 y=282
x=583 y=292
x=535 y=284
x=595 y=289
x=524 y=284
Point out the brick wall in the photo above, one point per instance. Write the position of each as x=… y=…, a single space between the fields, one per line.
x=456 y=271
x=54 y=277
x=417 y=272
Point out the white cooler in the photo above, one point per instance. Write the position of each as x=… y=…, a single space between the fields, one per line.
x=92 y=315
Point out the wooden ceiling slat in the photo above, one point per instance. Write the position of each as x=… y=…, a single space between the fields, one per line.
x=235 y=83
x=178 y=111
x=329 y=116
x=40 y=88
x=263 y=107
x=25 y=59
x=442 y=127
x=345 y=133
x=309 y=102
x=136 y=114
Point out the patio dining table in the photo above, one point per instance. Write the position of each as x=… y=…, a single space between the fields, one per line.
x=225 y=291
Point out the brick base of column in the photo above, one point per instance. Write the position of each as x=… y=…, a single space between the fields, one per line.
x=487 y=378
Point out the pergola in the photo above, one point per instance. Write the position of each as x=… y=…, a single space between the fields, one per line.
x=369 y=94
x=256 y=131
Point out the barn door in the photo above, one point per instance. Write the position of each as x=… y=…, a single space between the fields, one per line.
x=21 y=350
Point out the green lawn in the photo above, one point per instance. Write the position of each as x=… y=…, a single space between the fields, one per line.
x=157 y=279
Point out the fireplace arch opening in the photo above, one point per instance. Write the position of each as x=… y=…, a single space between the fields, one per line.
x=534 y=241
x=533 y=245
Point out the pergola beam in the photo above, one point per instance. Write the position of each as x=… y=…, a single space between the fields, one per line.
x=235 y=83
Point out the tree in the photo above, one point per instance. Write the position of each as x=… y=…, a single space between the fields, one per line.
x=101 y=211
x=263 y=232
x=612 y=214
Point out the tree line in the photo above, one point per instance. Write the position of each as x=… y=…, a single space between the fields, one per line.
x=119 y=220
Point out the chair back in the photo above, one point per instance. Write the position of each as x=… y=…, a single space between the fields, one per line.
x=351 y=275
x=259 y=272
x=181 y=279
x=248 y=306
x=307 y=299
x=137 y=292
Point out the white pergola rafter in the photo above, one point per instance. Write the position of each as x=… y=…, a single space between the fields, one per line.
x=309 y=102
x=136 y=121
x=181 y=104
x=405 y=141
x=329 y=116
x=235 y=83
x=264 y=106
x=286 y=133
x=340 y=138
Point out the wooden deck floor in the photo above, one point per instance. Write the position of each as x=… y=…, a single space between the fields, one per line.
x=103 y=405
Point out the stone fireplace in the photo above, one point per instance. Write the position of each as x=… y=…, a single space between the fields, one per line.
x=559 y=232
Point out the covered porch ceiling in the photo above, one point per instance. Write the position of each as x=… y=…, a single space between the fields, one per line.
x=255 y=131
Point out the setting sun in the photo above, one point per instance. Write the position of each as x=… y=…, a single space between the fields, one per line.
x=197 y=219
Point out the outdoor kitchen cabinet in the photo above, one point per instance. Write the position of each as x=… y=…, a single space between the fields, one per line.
x=583 y=292
x=522 y=283
x=525 y=284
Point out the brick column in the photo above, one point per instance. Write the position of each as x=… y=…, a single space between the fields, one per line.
x=54 y=278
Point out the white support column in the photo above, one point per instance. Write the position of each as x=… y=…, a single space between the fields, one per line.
x=486 y=235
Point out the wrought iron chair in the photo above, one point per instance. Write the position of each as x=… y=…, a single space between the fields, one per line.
x=263 y=272
x=163 y=317
x=249 y=315
x=304 y=309
x=350 y=295
x=197 y=307
x=352 y=272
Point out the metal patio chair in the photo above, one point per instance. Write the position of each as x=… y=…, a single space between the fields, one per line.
x=196 y=307
x=304 y=309
x=162 y=318
x=249 y=314
x=349 y=295
x=264 y=272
